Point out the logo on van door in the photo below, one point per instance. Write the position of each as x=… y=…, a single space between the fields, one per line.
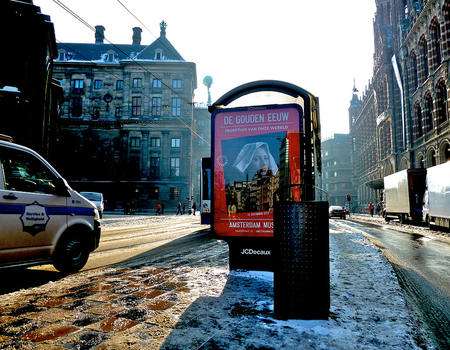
x=34 y=218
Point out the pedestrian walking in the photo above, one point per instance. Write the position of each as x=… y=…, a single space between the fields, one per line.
x=194 y=208
x=179 y=209
x=158 y=209
x=163 y=207
x=184 y=208
x=371 y=208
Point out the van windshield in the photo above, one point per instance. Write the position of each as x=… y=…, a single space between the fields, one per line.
x=92 y=196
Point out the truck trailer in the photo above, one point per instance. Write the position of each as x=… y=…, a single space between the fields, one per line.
x=403 y=195
x=436 y=203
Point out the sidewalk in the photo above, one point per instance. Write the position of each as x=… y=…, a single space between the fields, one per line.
x=189 y=300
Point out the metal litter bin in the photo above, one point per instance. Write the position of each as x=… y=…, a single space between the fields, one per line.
x=302 y=272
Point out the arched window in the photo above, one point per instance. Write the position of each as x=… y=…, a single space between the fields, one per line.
x=441 y=104
x=444 y=152
x=413 y=81
x=436 y=37
x=424 y=59
x=431 y=158
x=428 y=114
x=417 y=122
x=415 y=75
x=420 y=164
x=446 y=27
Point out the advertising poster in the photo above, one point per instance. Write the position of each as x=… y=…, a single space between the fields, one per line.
x=256 y=151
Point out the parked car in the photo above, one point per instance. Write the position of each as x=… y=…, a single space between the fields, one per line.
x=97 y=199
x=336 y=211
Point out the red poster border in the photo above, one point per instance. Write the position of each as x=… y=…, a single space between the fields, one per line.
x=250 y=123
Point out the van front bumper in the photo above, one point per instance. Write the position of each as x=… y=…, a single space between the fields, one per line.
x=97 y=233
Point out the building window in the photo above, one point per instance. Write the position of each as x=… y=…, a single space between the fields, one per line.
x=425 y=60
x=155 y=142
x=176 y=143
x=157 y=84
x=97 y=84
x=437 y=42
x=158 y=54
x=96 y=112
x=135 y=142
x=62 y=56
x=77 y=107
x=136 y=106
x=174 y=166
x=137 y=82
x=156 y=106
x=428 y=114
x=174 y=193
x=153 y=193
x=119 y=85
x=154 y=166
x=415 y=74
x=118 y=113
x=78 y=84
x=201 y=123
x=201 y=139
x=176 y=107
x=176 y=84
x=441 y=104
x=110 y=57
x=417 y=122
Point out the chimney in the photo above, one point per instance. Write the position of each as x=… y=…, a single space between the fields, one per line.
x=99 y=34
x=137 y=36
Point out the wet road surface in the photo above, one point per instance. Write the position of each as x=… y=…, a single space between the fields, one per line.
x=422 y=266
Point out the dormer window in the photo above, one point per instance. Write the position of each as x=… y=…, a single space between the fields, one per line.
x=158 y=54
x=61 y=55
x=111 y=56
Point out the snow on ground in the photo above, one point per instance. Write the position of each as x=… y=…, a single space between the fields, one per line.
x=368 y=309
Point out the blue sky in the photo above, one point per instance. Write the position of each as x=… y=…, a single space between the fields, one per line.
x=321 y=46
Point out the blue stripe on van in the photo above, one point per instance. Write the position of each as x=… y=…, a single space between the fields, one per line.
x=11 y=209
x=18 y=210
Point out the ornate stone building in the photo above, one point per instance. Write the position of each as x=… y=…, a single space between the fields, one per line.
x=402 y=119
x=129 y=126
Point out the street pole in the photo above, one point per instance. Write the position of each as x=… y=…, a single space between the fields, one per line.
x=191 y=158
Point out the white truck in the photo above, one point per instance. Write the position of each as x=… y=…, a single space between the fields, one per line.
x=403 y=195
x=42 y=220
x=436 y=203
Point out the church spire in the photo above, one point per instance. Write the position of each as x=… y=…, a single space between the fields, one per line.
x=355 y=90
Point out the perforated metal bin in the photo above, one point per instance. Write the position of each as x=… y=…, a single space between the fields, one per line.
x=302 y=272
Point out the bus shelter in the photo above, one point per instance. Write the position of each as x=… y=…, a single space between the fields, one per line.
x=265 y=165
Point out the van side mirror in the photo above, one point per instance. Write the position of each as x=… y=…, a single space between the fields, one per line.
x=61 y=187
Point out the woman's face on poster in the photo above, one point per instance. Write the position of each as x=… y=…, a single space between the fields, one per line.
x=260 y=159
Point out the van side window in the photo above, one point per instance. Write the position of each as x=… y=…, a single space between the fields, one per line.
x=23 y=172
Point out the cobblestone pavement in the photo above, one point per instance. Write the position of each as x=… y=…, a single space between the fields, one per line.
x=114 y=308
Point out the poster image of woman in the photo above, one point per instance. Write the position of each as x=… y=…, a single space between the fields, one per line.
x=255 y=158
x=250 y=174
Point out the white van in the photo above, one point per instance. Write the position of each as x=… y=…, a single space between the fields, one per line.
x=42 y=219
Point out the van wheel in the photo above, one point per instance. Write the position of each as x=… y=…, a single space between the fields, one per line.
x=71 y=253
